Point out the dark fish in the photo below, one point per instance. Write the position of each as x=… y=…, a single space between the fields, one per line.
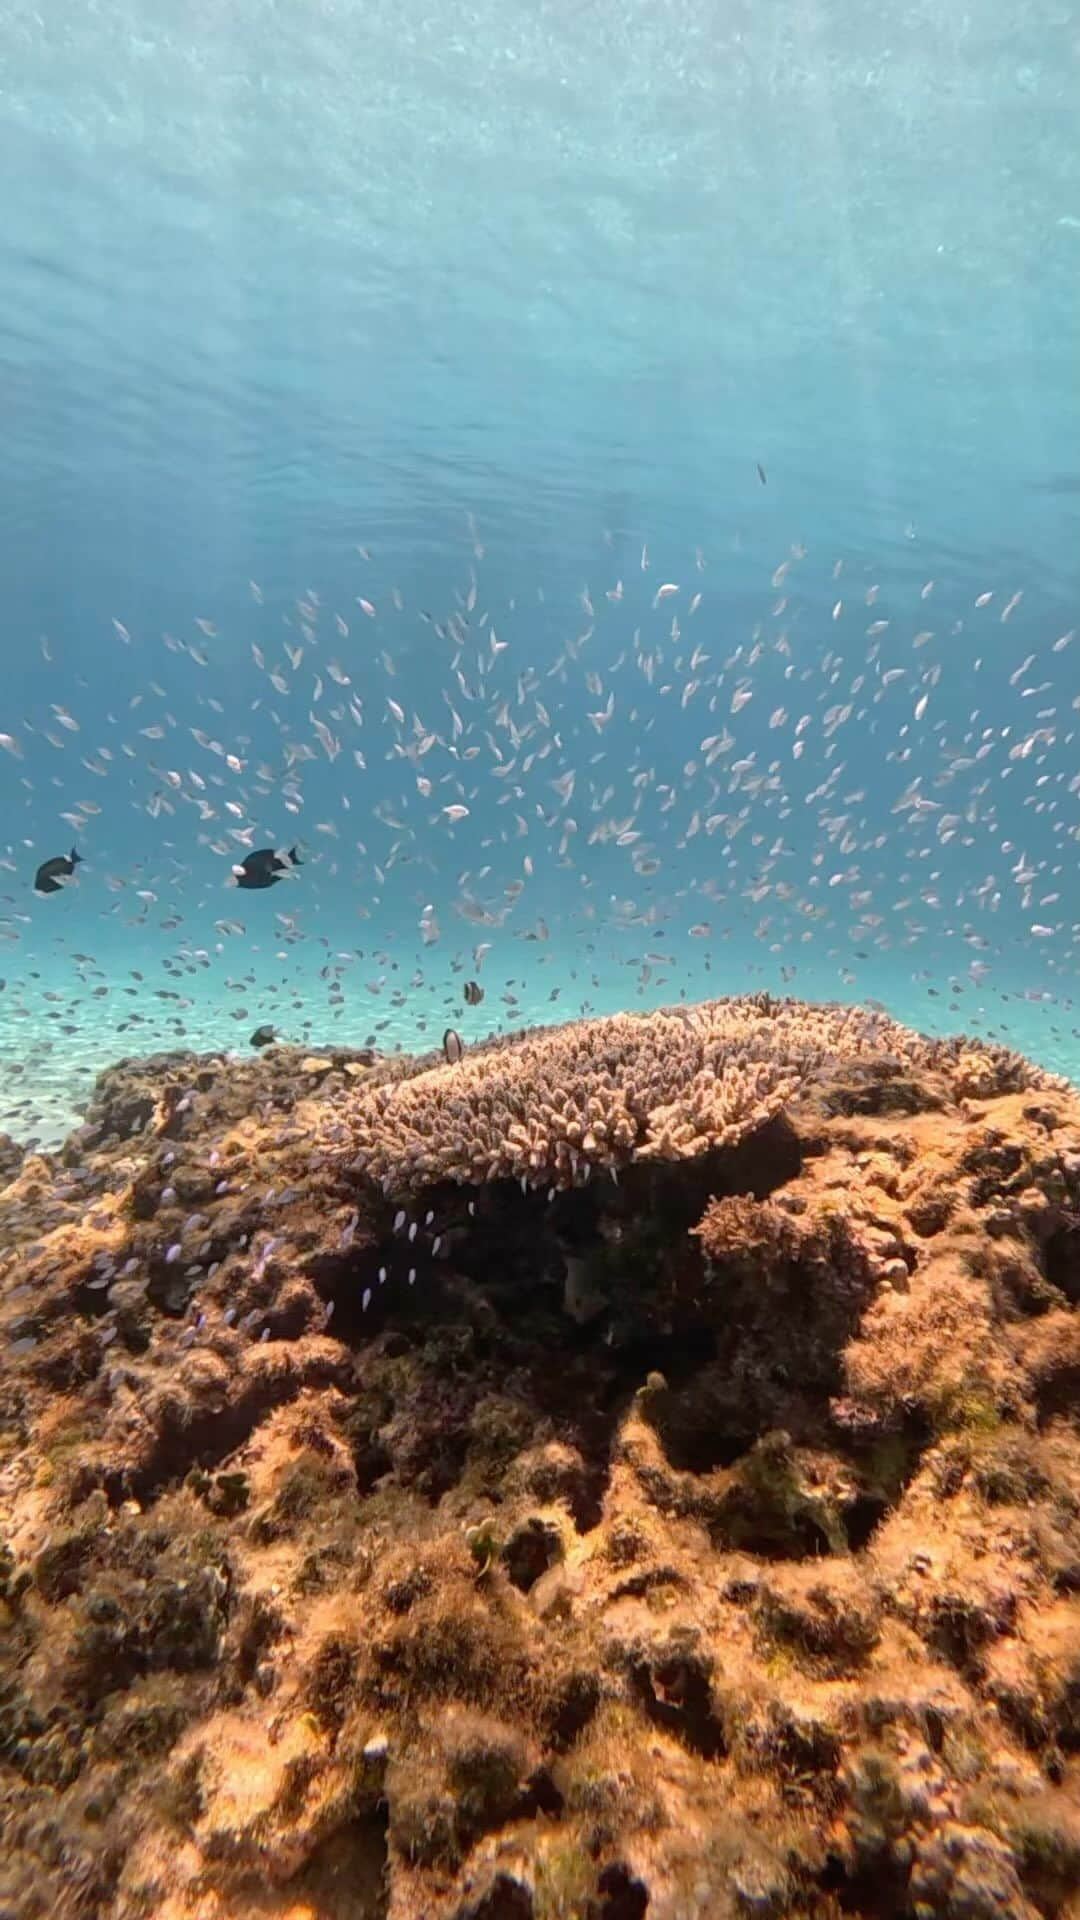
x=451 y=1046
x=761 y=473
x=263 y=1036
x=474 y=993
x=51 y=874
x=264 y=867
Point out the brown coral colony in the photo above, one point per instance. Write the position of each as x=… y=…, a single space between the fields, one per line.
x=555 y=1104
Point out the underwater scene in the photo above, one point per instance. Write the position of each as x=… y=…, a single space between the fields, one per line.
x=539 y=925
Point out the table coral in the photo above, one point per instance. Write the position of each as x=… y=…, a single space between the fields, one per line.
x=554 y=1104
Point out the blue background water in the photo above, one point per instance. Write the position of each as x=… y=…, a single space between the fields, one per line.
x=282 y=281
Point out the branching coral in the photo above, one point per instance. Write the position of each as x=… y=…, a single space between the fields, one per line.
x=551 y=1105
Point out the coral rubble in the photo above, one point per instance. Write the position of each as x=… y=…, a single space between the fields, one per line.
x=398 y=1523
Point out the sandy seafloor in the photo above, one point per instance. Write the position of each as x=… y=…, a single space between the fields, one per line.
x=63 y=1020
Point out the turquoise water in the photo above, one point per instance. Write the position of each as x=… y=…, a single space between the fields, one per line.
x=501 y=319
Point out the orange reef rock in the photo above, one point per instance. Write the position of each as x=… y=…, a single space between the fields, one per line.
x=398 y=1523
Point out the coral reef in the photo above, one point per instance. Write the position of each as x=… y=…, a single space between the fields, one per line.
x=397 y=1523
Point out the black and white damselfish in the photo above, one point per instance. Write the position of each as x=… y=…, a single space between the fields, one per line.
x=265 y=867
x=53 y=875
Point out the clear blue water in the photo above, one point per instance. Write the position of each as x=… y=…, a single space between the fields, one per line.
x=501 y=295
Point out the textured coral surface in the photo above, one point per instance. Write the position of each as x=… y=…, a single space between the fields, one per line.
x=559 y=1103
x=399 y=1526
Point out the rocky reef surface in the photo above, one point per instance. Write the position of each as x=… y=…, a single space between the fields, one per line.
x=684 y=1523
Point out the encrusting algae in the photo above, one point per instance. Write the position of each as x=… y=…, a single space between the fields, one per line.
x=400 y=1521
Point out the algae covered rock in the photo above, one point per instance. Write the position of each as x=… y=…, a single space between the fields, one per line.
x=385 y=1535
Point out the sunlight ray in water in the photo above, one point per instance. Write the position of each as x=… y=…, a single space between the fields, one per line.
x=539 y=938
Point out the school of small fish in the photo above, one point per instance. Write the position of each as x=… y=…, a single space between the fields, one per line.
x=623 y=772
